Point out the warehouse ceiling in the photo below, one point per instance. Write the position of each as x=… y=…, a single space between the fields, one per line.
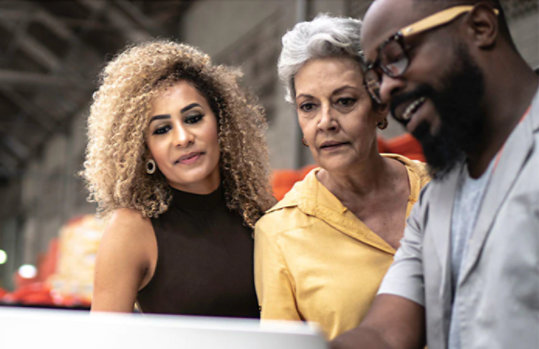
x=50 y=55
x=51 y=52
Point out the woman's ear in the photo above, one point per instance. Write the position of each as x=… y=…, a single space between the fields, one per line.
x=382 y=109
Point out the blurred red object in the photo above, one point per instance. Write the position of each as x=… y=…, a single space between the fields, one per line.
x=47 y=263
x=31 y=293
x=405 y=145
x=283 y=180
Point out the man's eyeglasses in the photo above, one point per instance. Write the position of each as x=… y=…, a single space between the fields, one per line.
x=392 y=57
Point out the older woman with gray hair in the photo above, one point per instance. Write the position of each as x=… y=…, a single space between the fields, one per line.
x=321 y=252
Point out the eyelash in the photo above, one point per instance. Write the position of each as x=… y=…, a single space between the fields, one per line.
x=307 y=107
x=193 y=119
x=189 y=120
x=349 y=101
x=343 y=102
x=161 y=130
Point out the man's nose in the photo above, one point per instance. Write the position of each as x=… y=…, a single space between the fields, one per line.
x=388 y=87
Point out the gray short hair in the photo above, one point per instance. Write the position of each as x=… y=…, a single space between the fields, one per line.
x=324 y=36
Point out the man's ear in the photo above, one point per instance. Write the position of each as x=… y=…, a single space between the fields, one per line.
x=483 y=25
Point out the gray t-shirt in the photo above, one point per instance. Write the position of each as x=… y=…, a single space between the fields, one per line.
x=465 y=211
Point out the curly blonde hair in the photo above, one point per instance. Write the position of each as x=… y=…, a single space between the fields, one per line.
x=114 y=169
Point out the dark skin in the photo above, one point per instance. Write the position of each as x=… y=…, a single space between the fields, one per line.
x=508 y=91
x=510 y=84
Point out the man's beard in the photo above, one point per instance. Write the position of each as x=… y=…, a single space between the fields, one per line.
x=461 y=119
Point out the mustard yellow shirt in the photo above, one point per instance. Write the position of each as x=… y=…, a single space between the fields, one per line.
x=316 y=261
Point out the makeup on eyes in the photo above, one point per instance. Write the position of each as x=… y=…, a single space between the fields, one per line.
x=159 y=126
x=194 y=116
x=182 y=111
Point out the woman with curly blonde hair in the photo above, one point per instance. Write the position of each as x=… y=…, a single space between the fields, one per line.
x=177 y=157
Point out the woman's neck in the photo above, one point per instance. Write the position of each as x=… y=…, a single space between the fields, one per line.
x=361 y=185
x=358 y=180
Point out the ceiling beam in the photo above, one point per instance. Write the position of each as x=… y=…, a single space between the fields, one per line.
x=5 y=173
x=9 y=161
x=32 y=47
x=16 y=148
x=29 y=12
x=9 y=164
x=17 y=21
x=29 y=79
x=147 y=23
x=30 y=109
x=118 y=19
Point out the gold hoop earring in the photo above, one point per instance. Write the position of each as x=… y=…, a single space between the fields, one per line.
x=150 y=166
x=382 y=125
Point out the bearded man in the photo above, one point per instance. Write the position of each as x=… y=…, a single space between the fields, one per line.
x=467 y=272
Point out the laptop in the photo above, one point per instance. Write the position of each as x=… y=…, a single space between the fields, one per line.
x=63 y=329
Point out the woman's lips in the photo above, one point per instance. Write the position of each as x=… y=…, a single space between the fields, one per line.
x=189 y=158
x=332 y=145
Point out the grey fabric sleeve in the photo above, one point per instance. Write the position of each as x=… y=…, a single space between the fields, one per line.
x=405 y=276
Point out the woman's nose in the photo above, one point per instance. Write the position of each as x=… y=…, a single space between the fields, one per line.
x=182 y=136
x=327 y=119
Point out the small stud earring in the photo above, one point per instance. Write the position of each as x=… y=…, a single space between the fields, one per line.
x=382 y=125
x=304 y=141
x=150 y=166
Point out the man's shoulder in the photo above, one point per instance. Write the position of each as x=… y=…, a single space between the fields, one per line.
x=534 y=112
x=435 y=190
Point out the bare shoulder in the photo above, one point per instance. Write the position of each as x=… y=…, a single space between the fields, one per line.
x=126 y=260
x=129 y=233
x=128 y=223
x=129 y=217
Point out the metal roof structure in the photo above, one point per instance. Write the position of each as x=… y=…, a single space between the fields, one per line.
x=50 y=55
x=51 y=52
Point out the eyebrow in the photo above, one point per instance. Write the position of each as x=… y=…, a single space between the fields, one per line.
x=304 y=95
x=159 y=117
x=339 y=90
x=189 y=107
x=167 y=116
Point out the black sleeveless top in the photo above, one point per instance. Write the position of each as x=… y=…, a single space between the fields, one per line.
x=205 y=260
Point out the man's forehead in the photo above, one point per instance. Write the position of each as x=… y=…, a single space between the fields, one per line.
x=386 y=17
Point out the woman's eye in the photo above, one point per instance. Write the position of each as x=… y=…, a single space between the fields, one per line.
x=346 y=102
x=161 y=130
x=307 y=107
x=193 y=119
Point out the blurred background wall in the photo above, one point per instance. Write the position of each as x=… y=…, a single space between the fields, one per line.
x=52 y=51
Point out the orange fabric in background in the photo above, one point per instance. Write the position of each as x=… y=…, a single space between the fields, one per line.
x=405 y=145
x=283 y=180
